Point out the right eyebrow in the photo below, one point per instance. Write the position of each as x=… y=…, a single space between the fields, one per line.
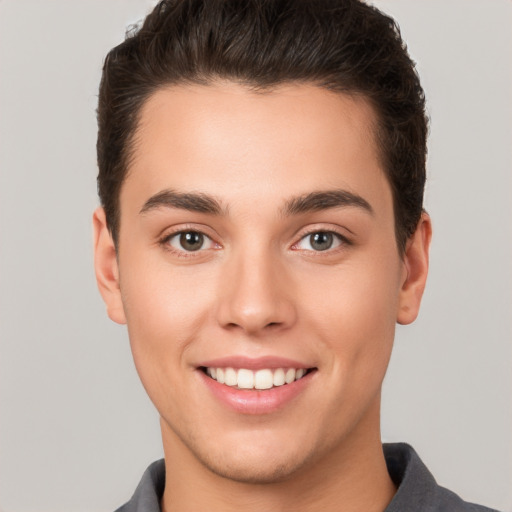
x=190 y=201
x=324 y=200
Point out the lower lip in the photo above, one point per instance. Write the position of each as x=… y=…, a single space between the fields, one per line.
x=255 y=401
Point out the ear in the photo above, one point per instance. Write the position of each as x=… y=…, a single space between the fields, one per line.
x=415 y=271
x=106 y=267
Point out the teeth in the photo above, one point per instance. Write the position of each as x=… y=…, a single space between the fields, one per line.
x=260 y=379
x=290 y=375
x=263 y=379
x=230 y=377
x=245 y=379
x=279 y=377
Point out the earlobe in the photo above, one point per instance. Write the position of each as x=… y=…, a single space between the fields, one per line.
x=106 y=267
x=416 y=260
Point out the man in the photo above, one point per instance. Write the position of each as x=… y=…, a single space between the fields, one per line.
x=262 y=166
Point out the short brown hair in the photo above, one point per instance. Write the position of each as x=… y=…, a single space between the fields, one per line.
x=342 y=45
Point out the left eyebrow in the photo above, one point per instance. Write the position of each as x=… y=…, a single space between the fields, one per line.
x=324 y=200
x=190 y=201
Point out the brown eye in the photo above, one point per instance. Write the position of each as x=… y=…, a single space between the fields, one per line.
x=191 y=240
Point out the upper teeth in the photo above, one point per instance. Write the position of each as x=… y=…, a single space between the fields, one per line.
x=260 y=379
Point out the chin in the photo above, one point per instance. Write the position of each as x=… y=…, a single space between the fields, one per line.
x=254 y=470
x=260 y=458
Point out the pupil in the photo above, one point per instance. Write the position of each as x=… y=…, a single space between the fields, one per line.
x=191 y=241
x=321 y=241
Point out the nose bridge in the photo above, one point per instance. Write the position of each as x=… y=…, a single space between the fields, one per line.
x=256 y=293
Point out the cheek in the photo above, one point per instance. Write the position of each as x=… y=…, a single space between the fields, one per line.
x=354 y=311
x=165 y=313
x=165 y=309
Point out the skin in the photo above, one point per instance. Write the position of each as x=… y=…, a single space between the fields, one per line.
x=258 y=288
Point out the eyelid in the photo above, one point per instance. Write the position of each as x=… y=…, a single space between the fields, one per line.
x=343 y=239
x=177 y=236
x=169 y=234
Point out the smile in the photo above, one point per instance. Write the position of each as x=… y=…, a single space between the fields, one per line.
x=256 y=386
x=261 y=379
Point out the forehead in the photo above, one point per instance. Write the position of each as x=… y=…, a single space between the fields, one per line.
x=233 y=142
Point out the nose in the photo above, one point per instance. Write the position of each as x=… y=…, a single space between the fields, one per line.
x=256 y=295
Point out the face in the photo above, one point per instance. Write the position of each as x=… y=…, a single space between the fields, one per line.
x=258 y=274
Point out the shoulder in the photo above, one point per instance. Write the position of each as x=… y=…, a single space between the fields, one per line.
x=146 y=497
x=417 y=488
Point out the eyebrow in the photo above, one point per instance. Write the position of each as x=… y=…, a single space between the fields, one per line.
x=324 y=200
x=190 y=201
x=203 y=203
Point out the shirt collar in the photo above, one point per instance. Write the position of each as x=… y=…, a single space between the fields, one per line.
x=416 y=485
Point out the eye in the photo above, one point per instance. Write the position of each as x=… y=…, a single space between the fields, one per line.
x=189 y=241
x=320 y=241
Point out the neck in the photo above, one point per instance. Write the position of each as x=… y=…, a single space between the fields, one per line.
x=351 y=477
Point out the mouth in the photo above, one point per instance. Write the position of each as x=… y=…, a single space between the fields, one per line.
x=261 y=379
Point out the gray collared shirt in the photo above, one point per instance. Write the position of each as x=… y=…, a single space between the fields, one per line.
x=417 y=489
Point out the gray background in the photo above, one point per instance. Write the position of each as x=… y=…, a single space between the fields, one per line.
x=76 y=428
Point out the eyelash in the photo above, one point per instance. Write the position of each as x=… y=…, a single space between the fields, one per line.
x=182 y=253
x=342 y=239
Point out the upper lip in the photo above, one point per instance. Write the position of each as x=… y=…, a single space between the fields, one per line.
x=270 y=362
